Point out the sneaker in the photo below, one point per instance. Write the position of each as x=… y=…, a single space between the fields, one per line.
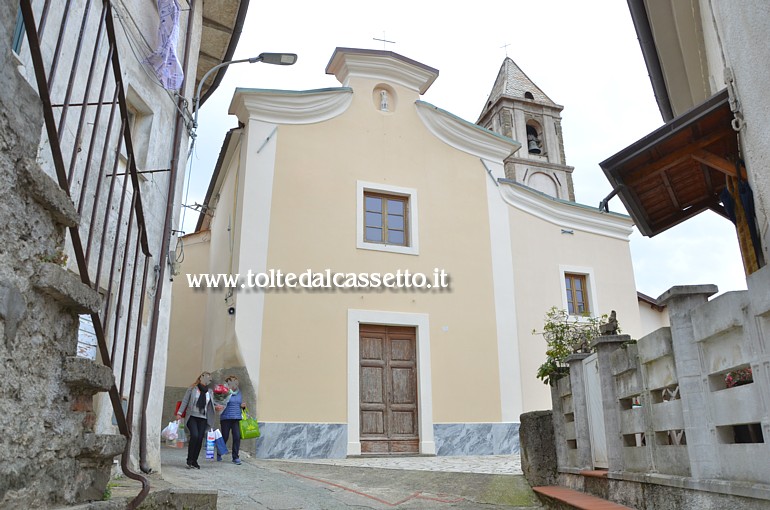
x=189 y=465
x=237 y=462
x=219 y=458
x=195 y=465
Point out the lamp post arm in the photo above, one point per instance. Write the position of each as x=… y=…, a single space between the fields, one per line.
x=203 y=80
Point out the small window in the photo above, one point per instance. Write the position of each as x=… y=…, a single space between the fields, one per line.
x=528 y=95
x=577 y=294
x=386 y=219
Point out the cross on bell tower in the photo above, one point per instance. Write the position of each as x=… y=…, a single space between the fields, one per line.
x=518 y=109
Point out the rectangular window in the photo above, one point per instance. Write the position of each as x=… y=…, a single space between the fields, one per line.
x=386 y=219
x=577 y=294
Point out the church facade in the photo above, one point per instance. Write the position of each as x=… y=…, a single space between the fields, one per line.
x=394 y=261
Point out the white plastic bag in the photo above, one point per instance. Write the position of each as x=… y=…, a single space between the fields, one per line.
x=210 y=444
x=171 y=432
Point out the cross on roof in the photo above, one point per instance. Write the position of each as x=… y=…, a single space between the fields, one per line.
x=383 y=40
x=506 y=48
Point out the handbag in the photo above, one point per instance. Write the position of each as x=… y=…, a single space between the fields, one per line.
x=248 y=425
x=219 y=443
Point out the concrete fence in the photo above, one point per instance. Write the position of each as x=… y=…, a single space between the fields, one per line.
x=686 y=406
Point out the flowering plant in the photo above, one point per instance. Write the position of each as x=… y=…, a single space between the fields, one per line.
x=739 y=377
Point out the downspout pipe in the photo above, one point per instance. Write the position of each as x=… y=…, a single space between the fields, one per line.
x=650 y=54
x=162 y=257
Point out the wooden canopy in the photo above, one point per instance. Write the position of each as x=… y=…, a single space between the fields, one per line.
x=679 y=170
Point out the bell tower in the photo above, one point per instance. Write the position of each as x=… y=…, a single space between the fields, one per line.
x=518 y=109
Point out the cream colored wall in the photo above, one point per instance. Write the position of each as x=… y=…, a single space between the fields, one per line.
x=539 y=249
x=185 y=343
x=651 y=319
x=220 y=349
x=313 y=226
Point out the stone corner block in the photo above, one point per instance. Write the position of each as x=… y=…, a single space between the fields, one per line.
x=676 y=291
x=87 y=375
x=102 y=446
x=48 y=194
x=611 y=340
x=66 y=288
x=578 y=356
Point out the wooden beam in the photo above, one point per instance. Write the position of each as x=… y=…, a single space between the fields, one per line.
x=670 y=190
x=717 y=163
x=673 y=158
x=210 y=23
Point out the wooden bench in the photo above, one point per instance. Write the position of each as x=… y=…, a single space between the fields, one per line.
x=577 y=499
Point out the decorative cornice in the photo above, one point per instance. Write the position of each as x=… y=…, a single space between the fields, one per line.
x=568 y=215
x=290 y=107
x=464 y=135
x=380 y=65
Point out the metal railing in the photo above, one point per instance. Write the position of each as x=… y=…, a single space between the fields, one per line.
x=74 y=52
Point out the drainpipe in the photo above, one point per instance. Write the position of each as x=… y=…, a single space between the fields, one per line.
x=650 y=53
x=178 y=129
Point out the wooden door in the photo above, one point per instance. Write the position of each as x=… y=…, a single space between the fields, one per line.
x=593 y=390
x=388 y=392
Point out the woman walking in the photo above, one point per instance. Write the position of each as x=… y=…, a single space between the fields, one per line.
x=230 y=419
x=198 y=401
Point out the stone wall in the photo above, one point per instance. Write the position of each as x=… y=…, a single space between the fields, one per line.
x=50 y=452
x=684 y=409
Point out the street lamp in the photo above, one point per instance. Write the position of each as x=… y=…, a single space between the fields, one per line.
x=279 y=59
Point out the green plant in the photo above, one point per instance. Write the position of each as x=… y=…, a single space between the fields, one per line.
x=565 y=334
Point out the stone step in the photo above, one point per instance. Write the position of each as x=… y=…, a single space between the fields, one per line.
x=572 y=499
x=85 y=376
x=66 y=288
x=102 y=446
x=47 y=192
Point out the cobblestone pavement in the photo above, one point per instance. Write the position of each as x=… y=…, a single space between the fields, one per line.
x=428 y=483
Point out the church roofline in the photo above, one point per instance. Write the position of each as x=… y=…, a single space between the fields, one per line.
x=464 y=135
x=290 y=106
x=566 y=214
x=379 y=64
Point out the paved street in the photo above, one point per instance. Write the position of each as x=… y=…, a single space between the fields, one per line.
x=492 y=482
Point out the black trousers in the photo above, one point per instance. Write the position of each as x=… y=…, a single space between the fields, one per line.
x=235 y=426
x=197 y=428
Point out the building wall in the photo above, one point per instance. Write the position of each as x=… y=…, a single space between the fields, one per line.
x=309 y=176
x=541 y=253
x=739 y=27
x=652 y=319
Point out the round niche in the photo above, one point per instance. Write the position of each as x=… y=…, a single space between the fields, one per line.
x=384 y=98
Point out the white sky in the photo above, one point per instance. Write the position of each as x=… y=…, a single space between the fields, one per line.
x=584 y=55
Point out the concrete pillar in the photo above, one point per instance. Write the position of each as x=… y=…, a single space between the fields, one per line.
x=681 y=301
x=605 y=346
x=582 y=434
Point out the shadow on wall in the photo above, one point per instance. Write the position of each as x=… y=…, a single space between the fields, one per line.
x=174 y=394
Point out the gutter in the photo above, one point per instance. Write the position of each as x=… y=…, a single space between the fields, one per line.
x=235 y=36
x=650 y=54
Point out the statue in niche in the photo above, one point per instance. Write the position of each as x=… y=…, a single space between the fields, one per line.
x=384 y=100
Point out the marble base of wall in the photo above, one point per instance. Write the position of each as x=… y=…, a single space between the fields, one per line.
x=329 y=440
x=302 y=441
x=476 y=438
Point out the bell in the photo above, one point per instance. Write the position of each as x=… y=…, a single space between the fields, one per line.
x=534 y=148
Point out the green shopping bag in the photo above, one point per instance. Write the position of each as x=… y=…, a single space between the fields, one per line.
x=249 y=425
